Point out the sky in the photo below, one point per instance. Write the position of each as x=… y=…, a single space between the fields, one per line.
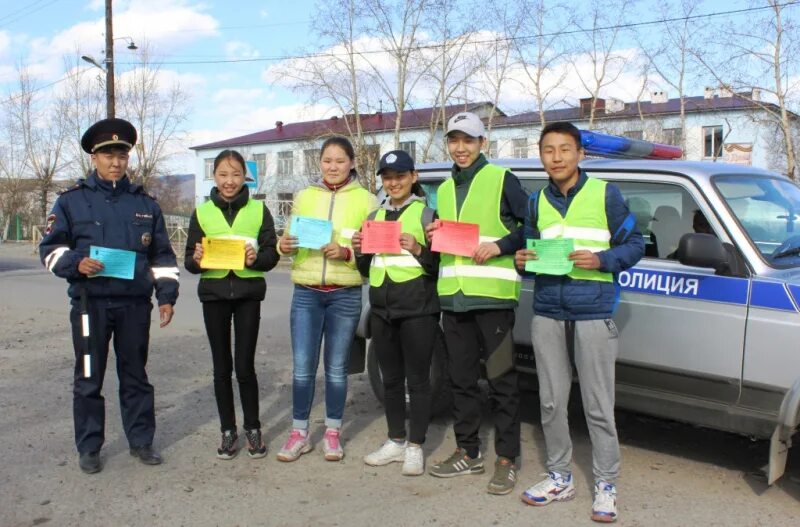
x=193 y=39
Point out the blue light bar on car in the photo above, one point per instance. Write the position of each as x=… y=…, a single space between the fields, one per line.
x=615 y=146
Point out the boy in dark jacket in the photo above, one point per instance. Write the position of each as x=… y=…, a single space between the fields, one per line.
x=578 y=306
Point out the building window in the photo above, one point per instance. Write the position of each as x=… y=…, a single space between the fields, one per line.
x=285 y=204
x=520 y=147
x=634 y=134
x=261 y=165
x=410 y=148
x=671 y=136
x=712 y=141
x=311 y=161
x=209 y=168
x=491 y=149
x=285 y=159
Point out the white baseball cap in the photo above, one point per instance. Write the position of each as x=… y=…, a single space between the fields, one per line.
x=466 y=122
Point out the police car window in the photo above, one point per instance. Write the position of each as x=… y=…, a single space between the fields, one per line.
x=768 y=210
x=664 y=212
x=430 y=189
x=532 y=185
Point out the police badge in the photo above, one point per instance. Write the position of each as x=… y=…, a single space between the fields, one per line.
x=146 y=239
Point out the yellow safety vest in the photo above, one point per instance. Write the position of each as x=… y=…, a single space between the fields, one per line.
x=585 y=223
x=347 y=208
x=497 y=278
x=245 y=227
x=400 y=267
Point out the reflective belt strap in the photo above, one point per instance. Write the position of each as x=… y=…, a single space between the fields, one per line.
x=578 y=233
x=479 y=271
x=395 y=261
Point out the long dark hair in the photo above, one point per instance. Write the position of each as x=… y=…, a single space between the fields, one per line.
x=344 y=144
x=417 y=189
x=230 y=154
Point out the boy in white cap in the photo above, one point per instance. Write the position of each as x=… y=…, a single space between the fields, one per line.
x=478 y=296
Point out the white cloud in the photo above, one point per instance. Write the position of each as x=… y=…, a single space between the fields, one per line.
x=165 y=25
x=240 y=50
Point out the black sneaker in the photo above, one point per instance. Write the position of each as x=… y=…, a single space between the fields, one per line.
x=228 y=446
x=255 y=445
x=90 y=462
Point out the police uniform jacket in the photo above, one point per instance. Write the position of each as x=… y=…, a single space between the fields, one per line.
x=232 y=287
x=117 y=215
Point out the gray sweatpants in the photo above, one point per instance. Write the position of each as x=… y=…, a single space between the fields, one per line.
x=596 y=348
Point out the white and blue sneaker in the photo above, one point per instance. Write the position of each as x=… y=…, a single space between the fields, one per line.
x=554 y=487
x=604 y=508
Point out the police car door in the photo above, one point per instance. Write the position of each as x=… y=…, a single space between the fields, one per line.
x=681 y=328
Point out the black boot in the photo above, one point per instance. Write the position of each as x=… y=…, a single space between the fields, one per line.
x=146 y=454
x=90 y=462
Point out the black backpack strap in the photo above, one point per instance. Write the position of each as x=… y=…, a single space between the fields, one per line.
x=428 y=215
x=371 y=215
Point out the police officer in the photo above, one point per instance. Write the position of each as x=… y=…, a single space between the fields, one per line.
x=106 y=210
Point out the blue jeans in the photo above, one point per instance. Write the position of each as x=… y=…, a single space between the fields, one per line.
x=335 y=315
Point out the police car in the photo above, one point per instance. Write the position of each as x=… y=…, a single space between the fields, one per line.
x=709 y=319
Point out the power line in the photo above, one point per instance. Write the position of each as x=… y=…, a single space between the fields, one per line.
x=487 y=41
x=25 y=11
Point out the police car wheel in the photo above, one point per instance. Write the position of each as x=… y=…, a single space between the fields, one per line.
x=441 y=396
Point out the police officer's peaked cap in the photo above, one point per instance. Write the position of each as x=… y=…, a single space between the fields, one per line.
x=108 y=132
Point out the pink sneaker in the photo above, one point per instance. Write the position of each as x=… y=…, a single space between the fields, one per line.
x=332 y=445
x=297 y=445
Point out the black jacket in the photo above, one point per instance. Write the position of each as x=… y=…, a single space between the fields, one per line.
x=414 y=298
x=232 y=287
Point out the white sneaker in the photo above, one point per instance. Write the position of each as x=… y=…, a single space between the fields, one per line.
x=414 y=462
x=390 y=452
x=604 y=508
x=554 y=487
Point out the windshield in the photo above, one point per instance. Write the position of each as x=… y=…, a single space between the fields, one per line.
x=768 y=209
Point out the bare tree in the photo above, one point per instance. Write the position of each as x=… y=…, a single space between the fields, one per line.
x=760 y=54
x=605 y=63
x=340 y=76
x=397 y=25
x=13 y=164
x=498 y=57
x=80 y=103
x=542 y=55
x=673 y=57
x=157 y=111
x=42 y=134
x=450 y=68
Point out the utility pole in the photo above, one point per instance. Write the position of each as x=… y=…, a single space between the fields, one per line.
x=110 y=107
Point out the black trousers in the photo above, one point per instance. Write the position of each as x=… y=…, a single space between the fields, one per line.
x=471 y=336
x=405 y=347
x=246 y=316
x=128 y=322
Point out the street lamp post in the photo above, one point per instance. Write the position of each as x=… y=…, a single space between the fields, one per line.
x=109 y=61
x=110 y=105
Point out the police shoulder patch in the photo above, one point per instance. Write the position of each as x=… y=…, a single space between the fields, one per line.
x=51 y=219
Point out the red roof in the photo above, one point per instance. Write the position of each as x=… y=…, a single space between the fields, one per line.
x=372 y=122
x=421 y=118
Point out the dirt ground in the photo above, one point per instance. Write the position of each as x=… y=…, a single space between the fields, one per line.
x=673 y=475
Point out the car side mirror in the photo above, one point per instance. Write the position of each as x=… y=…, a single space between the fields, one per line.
x=702 y=250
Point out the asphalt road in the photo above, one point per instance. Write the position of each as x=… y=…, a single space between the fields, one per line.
x=673 y=474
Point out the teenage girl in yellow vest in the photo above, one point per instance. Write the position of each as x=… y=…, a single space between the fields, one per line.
x=327 y=296
x=233 y=295
x=404 y=316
